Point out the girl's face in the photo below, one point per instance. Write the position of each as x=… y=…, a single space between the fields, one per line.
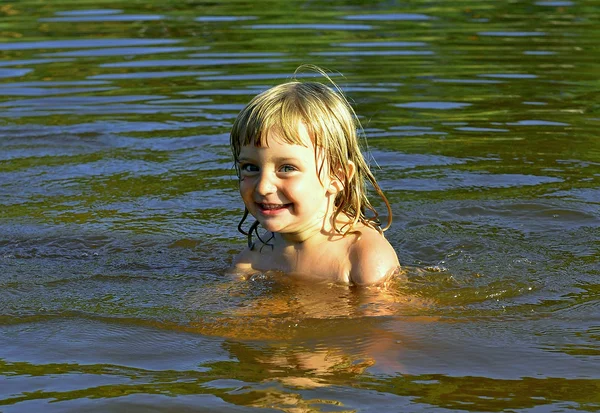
x=280 y=186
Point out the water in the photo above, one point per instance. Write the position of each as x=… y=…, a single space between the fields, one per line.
x=118 y=208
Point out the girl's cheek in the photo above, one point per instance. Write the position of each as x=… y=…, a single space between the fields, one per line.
x=245 y=180
x=245 y=185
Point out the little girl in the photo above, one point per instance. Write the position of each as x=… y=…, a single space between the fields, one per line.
x=303 y=178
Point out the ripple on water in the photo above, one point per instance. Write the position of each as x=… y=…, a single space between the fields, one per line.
x=191 y=62
x=491 y=256
x=509 y=75
x=546 y=216
x=14 y=72
x=88 y=12
x=531 y=122
x=468 y=81
x=376 y=53
x=555 y=3
x=63 y=379
x=381 y=44
x=260 y=76
x=102 y=128
x=437 y=105
x=123 y=211
x=539 y=53
x=460 y=179
x=115 y=109
x=5 y=63
x=240 y=54
x=398 y=160
x=224 y=92
x=476 y=129
x=219 y=19
x=588 y=195
x=390 y=17
x=84 y=43
x=78 y=101
x=101 y=18
x=374 y=135
x=49 y=91
x=117 y=51
x=311 y=26
x=511 y=34
x=56 y=83
x=125 y=345
x=153 y=75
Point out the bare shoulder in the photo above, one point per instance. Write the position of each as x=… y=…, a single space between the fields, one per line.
x=244 y=259
x=244 y=265
x=372 y=257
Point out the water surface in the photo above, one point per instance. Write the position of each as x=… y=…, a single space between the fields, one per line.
x=119 y=207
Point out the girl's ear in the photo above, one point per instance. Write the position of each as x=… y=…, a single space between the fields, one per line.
x=336 y=184
x=351 y=170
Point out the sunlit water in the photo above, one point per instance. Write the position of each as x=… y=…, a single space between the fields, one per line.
x=118 y=208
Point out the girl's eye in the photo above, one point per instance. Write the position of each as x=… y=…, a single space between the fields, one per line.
x=288 y=168
x=248 y=167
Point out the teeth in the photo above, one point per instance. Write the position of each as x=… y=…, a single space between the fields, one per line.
x=271 y=206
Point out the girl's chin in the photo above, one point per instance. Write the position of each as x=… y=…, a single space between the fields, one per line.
x=272 y=228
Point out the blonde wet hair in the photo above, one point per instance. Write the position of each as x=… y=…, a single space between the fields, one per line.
x=332 y=126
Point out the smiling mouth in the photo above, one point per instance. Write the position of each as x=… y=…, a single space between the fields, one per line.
x=273 y=207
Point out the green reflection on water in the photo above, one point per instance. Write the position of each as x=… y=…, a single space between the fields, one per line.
x=472 y=250
x=488 y=394
x=255 y=384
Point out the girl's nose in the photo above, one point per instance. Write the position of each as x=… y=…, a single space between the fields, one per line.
x=266 y=184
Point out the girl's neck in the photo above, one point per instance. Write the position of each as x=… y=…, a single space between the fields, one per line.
x=301 y=237
x=324 y=231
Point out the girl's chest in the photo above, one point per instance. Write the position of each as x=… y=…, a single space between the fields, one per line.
x=328 y=264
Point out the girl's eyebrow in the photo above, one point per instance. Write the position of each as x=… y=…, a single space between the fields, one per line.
x=278 y=160
x=287 y=159
x=245 y=159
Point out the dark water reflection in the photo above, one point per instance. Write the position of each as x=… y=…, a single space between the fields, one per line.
x=118 y=209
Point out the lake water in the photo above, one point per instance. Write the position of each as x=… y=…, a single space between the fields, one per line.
x=119 y=208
